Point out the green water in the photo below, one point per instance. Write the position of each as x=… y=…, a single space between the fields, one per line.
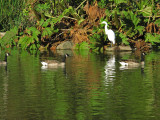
x=90 y=87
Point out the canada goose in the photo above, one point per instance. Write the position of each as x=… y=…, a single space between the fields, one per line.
x=5 y=60
x=133 y=63
x=54 y=63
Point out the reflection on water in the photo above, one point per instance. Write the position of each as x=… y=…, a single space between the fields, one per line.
x=89 y=87
x=110 y=69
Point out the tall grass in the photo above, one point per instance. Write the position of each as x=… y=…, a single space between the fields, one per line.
x=10 y=13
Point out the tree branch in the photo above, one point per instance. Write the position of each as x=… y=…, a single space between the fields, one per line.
x=81 y=4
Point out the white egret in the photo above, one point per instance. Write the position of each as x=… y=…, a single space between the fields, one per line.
x=109 y=33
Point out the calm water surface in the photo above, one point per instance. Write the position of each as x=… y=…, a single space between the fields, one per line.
x=90 y=87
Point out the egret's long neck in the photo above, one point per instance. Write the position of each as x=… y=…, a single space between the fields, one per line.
x=106 y=29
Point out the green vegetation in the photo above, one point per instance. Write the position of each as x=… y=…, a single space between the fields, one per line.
x=35 y=24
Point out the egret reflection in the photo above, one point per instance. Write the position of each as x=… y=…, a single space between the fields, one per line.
x=110 y=70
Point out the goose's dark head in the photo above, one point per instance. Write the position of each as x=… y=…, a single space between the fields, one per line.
x=66 y=55
x=5 y=60
x=142 y=56
x=6 y=55
x=64 y=58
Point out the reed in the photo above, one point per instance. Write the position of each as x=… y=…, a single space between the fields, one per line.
x=10 y=13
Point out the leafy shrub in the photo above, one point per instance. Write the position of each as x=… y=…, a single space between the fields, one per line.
x=30 y=39
x=83 y=46
x=48 y=27
x=124 y=38
x=157 y=22
x=9 y=38
x=152 y=38
x=131 y=24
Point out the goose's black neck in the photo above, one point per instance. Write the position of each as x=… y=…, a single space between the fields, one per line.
x=142 y=57
x=5 y=59
x=64 y=57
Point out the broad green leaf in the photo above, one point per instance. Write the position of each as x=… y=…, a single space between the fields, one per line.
x=157 y=22
x=47 y=32
x=140 y=29
x=152 y=38
x=124 y=38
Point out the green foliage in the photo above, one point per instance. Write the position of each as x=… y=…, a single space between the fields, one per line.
x=142 y=4
x=8 y=39
x=83 y=46
x=75 y=3
x=47 y=32
x=139 y=29
x=102 y=3
x=32 y=31
x=71 y=11
x=10 y=14
x=26 y=10
x=147 y=11
x=43 y=8
x=124 y=38
x=131 y=24
x=117 y=2
x=44 y=23
x=127 y=18
x=48 y=27
x=157 y=22
x=98 y=38
x=133 y=17
x=30 y=39
x=152 y=38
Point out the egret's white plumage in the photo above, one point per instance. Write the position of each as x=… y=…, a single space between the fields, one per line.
x=109 y=33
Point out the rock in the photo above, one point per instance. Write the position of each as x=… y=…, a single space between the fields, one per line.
x=65 y=45
x=63 y=52
x=125 y=48
x=119 y=48
x=2 y=34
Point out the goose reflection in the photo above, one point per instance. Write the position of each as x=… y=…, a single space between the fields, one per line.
x=110 y=70
x=4 y=105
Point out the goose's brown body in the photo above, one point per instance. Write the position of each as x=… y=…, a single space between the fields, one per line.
x=54 y=63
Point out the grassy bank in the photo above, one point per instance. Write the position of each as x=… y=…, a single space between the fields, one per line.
x=45 y=24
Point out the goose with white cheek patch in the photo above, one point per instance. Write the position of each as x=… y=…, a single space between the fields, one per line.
x=133 y=63
x=54 y=63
